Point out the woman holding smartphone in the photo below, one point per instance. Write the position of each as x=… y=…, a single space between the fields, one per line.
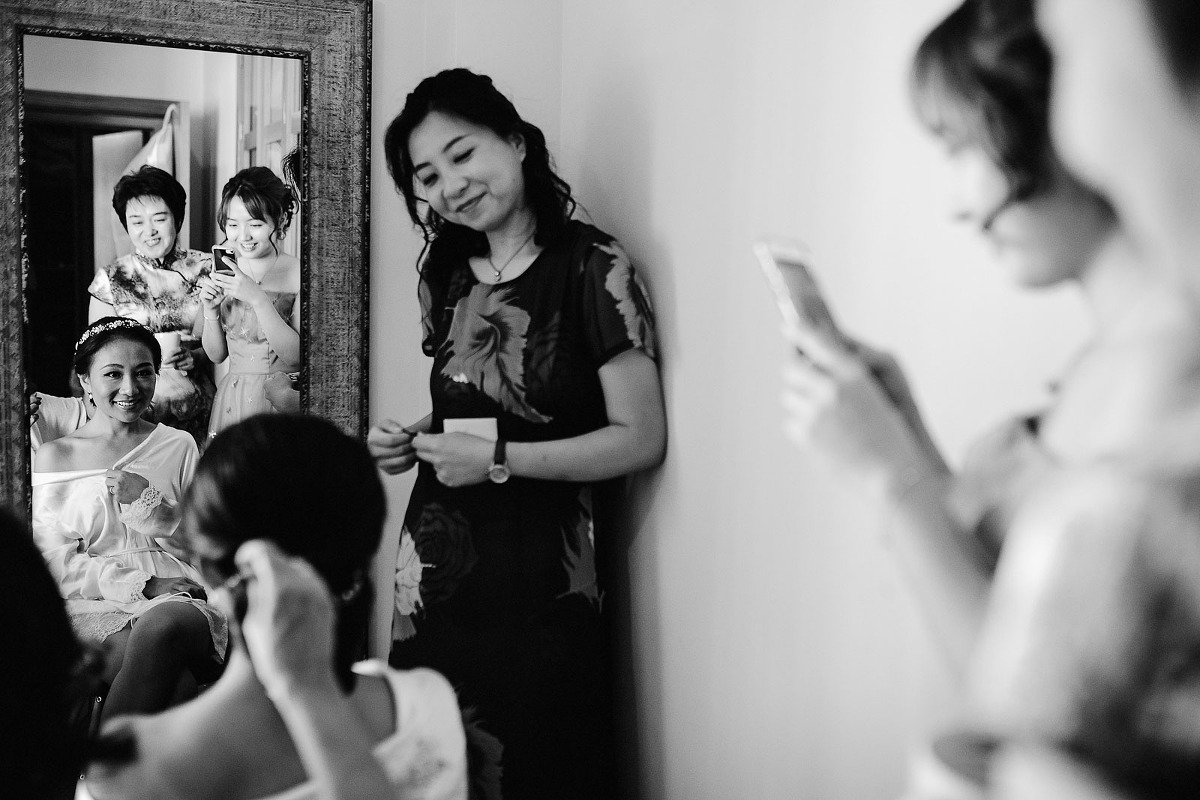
x=981 y=82
x=251 y=300
x=545 y=395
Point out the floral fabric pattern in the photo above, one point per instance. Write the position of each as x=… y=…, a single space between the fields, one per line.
x=490 y=337
x=442 y=539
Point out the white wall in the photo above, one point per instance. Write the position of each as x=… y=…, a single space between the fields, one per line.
x=776 y=652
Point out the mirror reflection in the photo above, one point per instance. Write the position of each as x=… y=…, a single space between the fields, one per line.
x=141 y=160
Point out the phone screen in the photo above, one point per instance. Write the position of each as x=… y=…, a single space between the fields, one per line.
x=218 y=264
x=786 y=266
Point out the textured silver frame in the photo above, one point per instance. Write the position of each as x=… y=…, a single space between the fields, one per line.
x=333 y=39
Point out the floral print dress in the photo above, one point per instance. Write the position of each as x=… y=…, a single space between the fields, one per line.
x=500 y=581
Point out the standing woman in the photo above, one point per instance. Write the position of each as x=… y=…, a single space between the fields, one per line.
x=542 y=340
x=158 y=284
x=251 y=306
x=103 y=497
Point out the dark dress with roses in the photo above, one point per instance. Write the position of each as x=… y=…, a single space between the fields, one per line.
x=509 y=599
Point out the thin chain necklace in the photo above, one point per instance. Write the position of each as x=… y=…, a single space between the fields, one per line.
x=265 y=272
x=499 y=271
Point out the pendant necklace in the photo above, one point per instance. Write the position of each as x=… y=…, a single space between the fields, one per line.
x=265 y=272
x=515 y=253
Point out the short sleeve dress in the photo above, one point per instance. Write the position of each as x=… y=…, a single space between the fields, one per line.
x=165 y=296
x=503 y=583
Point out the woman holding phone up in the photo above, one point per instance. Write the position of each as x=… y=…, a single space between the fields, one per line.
x=545 y=394
x=251 y=301
x=981 y=82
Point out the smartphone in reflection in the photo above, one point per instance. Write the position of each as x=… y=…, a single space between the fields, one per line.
x=218 y=264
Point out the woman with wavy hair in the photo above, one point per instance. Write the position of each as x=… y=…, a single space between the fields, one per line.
x=545 y=395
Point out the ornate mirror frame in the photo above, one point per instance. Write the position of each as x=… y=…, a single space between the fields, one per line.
x=333 y=39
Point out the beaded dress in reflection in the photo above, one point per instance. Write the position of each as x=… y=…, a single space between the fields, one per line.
x=242 y=391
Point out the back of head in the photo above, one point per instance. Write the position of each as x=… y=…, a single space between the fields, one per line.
x=150 y=182
x=474 y=98
x=41 y=684
x=301 y=483
x=265 y=196
x=981 y=77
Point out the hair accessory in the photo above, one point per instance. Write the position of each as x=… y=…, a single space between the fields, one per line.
x=117 y=323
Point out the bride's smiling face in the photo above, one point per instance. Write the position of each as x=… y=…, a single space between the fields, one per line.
x=121 y=379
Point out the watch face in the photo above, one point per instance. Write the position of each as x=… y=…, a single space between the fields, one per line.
x=498 y=473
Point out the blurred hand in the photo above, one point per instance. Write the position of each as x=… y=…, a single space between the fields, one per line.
x=289 y=622
x=836 y=405
x=458 y=459
x=35 y=407
x=160 y=586
x=891 y=377
x=125 y=486
x=280 y=393
x=391 y=445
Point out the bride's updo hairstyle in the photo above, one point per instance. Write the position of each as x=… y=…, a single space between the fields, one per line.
x=297 y=481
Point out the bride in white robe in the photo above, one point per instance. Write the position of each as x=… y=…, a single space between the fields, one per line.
x=105 y=506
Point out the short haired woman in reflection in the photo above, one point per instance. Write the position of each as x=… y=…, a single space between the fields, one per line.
x=284 y=723
x=541 y=335
x=252 y=307
x=158 y=285
x=102 y=498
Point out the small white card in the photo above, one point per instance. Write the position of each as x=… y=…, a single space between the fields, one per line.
x=483 y=427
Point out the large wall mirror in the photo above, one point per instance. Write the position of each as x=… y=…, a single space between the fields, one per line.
x=87 y=85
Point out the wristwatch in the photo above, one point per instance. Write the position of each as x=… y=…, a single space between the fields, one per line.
x=498 y=472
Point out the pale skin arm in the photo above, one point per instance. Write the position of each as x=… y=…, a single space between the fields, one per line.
x=836 y=406
x=634 y=439
x=208 y=326
x=288 y=631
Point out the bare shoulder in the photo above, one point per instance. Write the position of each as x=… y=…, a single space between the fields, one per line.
x=290 y=266
x=55 y=456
